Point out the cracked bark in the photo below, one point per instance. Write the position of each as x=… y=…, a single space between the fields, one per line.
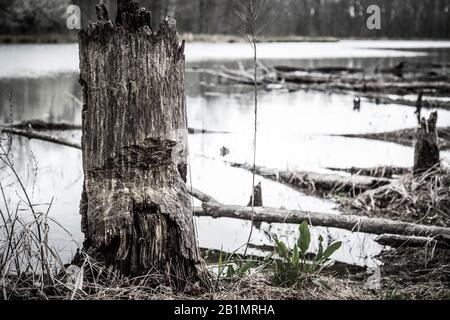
x=136 y=211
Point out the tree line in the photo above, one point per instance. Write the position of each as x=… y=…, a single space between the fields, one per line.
x=315 y=18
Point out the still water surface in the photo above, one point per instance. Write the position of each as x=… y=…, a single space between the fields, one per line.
x=295 y=132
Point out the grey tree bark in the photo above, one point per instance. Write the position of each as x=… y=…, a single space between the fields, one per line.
x=426 y=153
x=136 y=210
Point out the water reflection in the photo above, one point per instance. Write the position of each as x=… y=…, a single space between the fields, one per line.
x=296 y=131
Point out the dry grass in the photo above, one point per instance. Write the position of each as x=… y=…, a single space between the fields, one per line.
x=416 y=273
x=259 y=287
x=108 y=285
x=421 y=199
x=412 y=273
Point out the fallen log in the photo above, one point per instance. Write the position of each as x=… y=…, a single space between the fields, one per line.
x=332 y=70
x=203 y=197
x=347 y=222
x=317 y=181
x=44 y=125
x=31 y=134
x=426 y=104
x=396 y=241
x=203 y=131
x=49 y=126
x=394 y=81
x=34 y=134
x=377 y=172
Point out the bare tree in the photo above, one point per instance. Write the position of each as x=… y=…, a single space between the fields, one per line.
x=253 y=14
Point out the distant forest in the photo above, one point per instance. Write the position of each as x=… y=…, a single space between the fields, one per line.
x=311 y=18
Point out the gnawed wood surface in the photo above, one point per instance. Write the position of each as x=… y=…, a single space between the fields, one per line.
x=317 y=181
x=136 y=210
x=347 y=222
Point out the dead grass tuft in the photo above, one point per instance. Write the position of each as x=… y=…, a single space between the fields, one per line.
x=421 y=199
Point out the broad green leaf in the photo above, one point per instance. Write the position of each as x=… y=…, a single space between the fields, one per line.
x=331 y=249
x=305 y=237
x=283 y=251
x=296 y=257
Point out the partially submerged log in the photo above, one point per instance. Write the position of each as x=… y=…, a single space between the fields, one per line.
x=136 y=210
x=317 y=181
x=41 y=125
x=347 y=222
x=426 y=151
x=397 y=241
x=402 y=79
x=204 y=131
x=377 y=172
x=429 y=103
x=44 y=125
x=31 y=134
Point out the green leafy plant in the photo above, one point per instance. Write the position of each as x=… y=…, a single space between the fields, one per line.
x=292 y=265
x=233 y=266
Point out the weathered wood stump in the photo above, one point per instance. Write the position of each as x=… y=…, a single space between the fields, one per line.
x=426 y=153
x=257 y=192
x=136 y=209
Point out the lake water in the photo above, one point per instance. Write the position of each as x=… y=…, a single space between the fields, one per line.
x=295 y=132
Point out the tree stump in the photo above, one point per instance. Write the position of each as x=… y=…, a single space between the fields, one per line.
x=426 y=153
x=257 y=192
x=136 y=209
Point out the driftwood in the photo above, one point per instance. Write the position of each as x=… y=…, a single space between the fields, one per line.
x=426 y=151
x=31 y=134
x=135 y=207
x=317 y=181
x=396 y=241
x=347 y=222
x=402 y=79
